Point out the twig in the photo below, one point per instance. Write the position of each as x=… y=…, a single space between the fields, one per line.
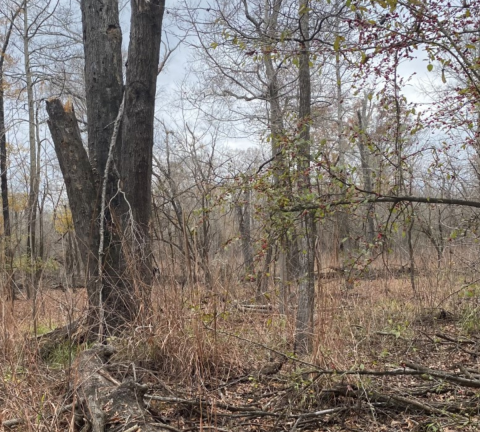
x=316 y=414
x=108 y=377
x=168 y=427
x=451 y=339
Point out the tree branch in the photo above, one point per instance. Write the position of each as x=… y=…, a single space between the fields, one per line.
x=384 y=199
x=76 y=170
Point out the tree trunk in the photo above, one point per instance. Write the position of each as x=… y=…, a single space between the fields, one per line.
x=344 y=244
x=108 y=401
x=306 y=289
x=34 y=178
x=117 y=249
x=366 y=168
x=102 y=42
x=137 y=136
x=7 y=231
x=288 y=247
x=243 y=216
x=9 y=285
x=77 y=175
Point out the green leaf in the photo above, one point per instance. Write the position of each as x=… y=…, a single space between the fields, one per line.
x=338 y=41
x=430 y=67
x=214 y=45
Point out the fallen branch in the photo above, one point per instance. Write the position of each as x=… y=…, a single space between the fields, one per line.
x=394 y=400
x=451 y=339
x=443 y=375
x=308 y=416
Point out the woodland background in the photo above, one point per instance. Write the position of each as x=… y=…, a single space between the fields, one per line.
x=314 y=217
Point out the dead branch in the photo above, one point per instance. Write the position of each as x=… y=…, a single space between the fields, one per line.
x=393 y=400
x=452 y=339
x=443 y=375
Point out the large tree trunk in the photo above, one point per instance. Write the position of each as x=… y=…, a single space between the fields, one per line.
x=102 y=41
x=116 y=249
x=109 y=402
x=137 y=137
x=109 y=191
x=306 y=289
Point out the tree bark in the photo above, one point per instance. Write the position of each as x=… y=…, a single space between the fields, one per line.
x=102 y=41
x=7 y=231
x=118 y=281
x=34 y=174
x=288 y=247
x=366 y=168
x=109 y=402
x=244 y=226
x=77 y=175
x=137 y=138
x=306 y=289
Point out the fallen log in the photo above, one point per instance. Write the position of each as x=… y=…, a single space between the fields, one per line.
x=74 y=332
x=107 y=404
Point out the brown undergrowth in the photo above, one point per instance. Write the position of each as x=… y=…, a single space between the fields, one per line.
x=215 y=360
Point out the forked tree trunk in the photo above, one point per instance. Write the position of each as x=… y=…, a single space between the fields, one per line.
x=116 y=297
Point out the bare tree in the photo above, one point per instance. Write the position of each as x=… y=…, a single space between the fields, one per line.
x=306 y=289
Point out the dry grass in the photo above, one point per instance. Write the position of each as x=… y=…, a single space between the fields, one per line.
x=198 y=340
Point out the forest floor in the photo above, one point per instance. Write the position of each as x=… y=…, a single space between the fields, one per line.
x=384 y=359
